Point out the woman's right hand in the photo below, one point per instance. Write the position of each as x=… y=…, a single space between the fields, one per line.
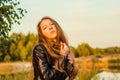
x=64 y=49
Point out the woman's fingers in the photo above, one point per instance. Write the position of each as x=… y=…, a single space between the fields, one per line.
x=64 y=49
x=62 y=45
x=65 y=46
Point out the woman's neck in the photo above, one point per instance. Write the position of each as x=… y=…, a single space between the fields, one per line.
x=52 y=40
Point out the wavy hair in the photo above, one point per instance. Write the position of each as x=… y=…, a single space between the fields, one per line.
x=43 y=40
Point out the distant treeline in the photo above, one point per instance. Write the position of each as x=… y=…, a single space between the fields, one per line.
x=19 y=48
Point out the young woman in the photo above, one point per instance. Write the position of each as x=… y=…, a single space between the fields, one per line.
x=52 y=58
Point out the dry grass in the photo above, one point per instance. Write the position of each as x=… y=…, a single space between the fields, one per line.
x=14 y=67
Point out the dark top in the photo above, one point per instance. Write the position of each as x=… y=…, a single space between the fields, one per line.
x=43 y=65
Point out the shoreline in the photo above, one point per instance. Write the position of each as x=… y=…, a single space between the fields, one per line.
x=82 y=62
x=14 y=67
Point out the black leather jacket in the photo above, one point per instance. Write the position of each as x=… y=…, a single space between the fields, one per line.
x=43 y=65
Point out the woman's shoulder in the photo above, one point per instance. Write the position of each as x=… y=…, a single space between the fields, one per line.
x=39 y=50
x=39 y=46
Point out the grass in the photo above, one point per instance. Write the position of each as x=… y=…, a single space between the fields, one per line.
x=14 y=67
x=86 y=70
x=82 y=74
x=16 y=71
x=18 y=76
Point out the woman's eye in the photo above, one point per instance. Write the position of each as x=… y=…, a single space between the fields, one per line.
x=51 y=24
x=44 y=28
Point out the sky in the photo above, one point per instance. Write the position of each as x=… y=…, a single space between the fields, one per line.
x=96 y=22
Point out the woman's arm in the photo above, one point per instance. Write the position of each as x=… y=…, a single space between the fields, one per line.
x=41 y=65
x=71 y=68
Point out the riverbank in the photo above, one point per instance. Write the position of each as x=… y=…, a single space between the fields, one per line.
x=14 y=67
x=109 y=63
x=83 y=63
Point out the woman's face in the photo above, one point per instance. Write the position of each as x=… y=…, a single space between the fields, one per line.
x=48 y=29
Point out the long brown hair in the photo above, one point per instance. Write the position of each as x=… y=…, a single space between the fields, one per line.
x=60 y=37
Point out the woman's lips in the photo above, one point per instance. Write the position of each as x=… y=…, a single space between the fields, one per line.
x=52 y=31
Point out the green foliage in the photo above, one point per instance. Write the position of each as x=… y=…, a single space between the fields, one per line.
x=85 y=50
x=114 y=61
x=18 y=47
x=4 y=48
x=7 y=58
x=74 y=51
x=111 y=50
x=9 y=14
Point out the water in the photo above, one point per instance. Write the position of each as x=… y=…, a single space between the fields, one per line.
x=106 y=76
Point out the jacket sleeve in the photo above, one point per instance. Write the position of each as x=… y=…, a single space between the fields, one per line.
x=41 y=65
x=69 y=64
x=70 y=68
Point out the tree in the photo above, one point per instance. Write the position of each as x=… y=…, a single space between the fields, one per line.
x=4 y=48
x=7 y=58
x=85 y=50
x=9 y=14
x=74 y=51
x=19 y=47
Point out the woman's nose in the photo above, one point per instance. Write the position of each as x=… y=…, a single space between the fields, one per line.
x=50 y=27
